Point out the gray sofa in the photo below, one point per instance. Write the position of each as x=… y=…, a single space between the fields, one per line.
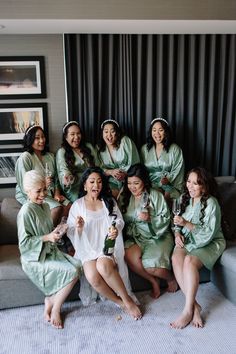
x=17 y=290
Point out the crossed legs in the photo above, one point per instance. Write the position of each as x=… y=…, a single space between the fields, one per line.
x=186 y=269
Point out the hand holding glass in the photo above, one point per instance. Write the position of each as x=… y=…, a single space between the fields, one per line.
x=61 y=230
x=68 y=180
x=176 y=209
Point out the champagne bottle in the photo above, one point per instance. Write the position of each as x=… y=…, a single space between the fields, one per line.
x=109 y=244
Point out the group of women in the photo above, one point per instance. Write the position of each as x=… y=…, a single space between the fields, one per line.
x=94 y=186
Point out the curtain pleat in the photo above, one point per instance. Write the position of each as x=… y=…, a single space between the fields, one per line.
x=188 y=79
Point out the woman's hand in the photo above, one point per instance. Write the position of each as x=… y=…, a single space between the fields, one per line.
x=144 y=216
x=179 y=220
x=58 y=196
x=179 y=240
x=52 y=237
x=79 y=223
x=113 y=232
x=48 y=181
x=165 y=180
x=117 y=174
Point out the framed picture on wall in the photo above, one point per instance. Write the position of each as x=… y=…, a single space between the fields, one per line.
x=22 y=77
x=8 y=160
x=16 y=118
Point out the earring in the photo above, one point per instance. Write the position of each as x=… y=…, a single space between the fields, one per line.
x=85 y=189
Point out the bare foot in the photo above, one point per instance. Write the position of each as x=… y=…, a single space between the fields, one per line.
x=47 y=309
x=156 y=292
x=56 y=320
x=172 y=286
x=182 y=321
x=132 y=309
x=197 y=319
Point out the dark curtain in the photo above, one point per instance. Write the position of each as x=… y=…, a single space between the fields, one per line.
x=188 y=79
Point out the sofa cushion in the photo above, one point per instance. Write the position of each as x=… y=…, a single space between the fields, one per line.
x=228 y=258
x=10 y=265
x=8 y=229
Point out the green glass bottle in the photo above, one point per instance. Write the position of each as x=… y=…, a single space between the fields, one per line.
x=109 y=244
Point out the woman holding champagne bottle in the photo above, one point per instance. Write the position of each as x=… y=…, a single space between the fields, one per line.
x=36 y=157
x=149 y=242
x=198 y=238
x=89 y=221
x=163 y=159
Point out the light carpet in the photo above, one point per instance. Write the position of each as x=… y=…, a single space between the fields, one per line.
x=104 y=328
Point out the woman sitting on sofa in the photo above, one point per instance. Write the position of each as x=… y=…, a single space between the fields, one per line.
x=52 y=271
x=199 y=240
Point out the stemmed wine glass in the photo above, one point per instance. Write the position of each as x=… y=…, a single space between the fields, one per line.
x=69 y=178
x=61 y=230
x=176 y=209
x=48 y=173
x=144 y=202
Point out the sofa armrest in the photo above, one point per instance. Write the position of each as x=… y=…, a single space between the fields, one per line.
x=8 y=228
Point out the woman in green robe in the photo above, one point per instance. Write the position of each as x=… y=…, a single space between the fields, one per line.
x=72 y=159
x=116 y=153
x=52 y=271
x=36 y=157
x=163 y=159
x=199 y=240
x=149 y=242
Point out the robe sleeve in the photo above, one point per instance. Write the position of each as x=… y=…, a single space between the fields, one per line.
x=61 y=166
x=30 y=244
x=176 y=174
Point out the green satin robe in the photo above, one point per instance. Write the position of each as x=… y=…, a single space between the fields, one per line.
x=27 y=162
x=46 y=266
x=170 y=163
x=155 y=238
x=122 y=158
x=71 y=192
x=206 y=240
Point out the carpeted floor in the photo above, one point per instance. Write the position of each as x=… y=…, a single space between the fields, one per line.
x=104 y=328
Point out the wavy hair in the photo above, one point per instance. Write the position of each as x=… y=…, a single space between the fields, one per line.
x=105 y=194
x=209 y=186
x=29 y=138
x=69 y=154
x=136 y=170
x=168 y=138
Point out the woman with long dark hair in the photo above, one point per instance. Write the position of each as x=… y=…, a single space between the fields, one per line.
x=90 y=219
x=37 y=157
x=149 y=242
x=116 y=152
x=72 y=159
x=199 y=240
x=163 y=159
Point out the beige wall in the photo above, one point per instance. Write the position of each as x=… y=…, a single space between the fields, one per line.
x=51 y=47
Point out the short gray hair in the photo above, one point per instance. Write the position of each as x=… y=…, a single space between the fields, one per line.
x=31 y=178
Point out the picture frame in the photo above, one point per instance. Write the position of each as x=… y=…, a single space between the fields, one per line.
x=22 y=77
x=16 y=118
x=8 y=158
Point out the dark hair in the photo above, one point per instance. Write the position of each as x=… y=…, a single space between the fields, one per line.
x=209 y=185
x=69 y=154
x=137 y=170
x=168 y=139
x=119 y=134
x=29 y=138
x=105 y=194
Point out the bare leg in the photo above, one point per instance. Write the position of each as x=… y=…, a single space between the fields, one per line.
x=197 y=319
x=56 y=302
x=98 y=283
x=56 y=214
x=163 y=273
x=188 y=280
x=133 y=258
x=48 y=301
x=108 y=270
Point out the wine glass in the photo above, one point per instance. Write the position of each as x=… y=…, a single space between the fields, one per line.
x=144 y=202
x=176 y=209
x=69 y=179
x=48 y=173
x=61 y=230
